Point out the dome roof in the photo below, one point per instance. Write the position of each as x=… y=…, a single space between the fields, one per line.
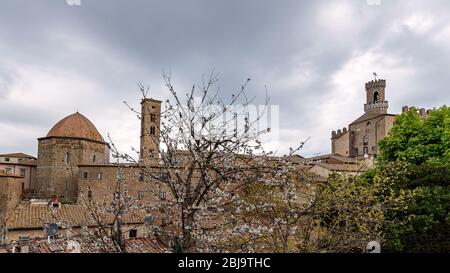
x=75 y=126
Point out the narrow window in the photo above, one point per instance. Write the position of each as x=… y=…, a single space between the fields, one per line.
x=85 y=175
x=67 y=158
x=99 y=175
x=141 y=195
x=162 y=195
x=366 y=150
x=152 y=117
x=141 y=177
x=366 y=140
x=94 y=159
x=375 y=97
x=152 y=130
x=22 y=172
x=89 y=194
x=133 y=233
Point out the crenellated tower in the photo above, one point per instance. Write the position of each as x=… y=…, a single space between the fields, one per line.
x=376 y=97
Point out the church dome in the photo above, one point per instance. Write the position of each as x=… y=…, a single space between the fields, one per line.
x=75 y=126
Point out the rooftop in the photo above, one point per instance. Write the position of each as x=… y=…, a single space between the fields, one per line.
x=35 y=216
x=75 y=126
x=18 y=155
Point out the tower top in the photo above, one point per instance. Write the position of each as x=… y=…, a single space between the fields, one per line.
x=376 y=84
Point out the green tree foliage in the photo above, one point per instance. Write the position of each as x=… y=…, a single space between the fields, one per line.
x=414 y=169
x=417 y=140
x=420 y=221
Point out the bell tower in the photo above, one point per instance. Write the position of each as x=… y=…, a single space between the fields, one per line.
x=150 y=131
x=376 y=99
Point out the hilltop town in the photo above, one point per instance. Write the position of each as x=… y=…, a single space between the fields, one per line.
x=40 y=197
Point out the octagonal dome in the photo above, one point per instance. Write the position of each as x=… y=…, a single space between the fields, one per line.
x=75 y=126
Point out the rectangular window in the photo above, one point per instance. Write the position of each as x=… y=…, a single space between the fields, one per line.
x=141 y=195
x=22 y=172
x=366 y=150
x=374 y=149
x=141 y=177
x=133 y=233
x=67 y=158
x=7 y=159
x=99 y=176
x=8 y=170
x=152 y=117
x=85 y=175
x=152 y=130
x=366 y=140
x=162 y=195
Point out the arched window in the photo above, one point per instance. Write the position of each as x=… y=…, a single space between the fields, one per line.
x=67 y=158
x=375 y=96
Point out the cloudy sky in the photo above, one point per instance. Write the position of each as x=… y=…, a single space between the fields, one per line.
x=313 y=56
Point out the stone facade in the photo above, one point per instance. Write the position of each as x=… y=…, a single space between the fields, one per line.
x=150 y=131
x=98 y=183
x=58 y=164
x=21 y=165
x=362 y=137
x=10 y=194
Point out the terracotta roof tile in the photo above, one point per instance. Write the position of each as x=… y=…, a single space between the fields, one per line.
x=75 y=126
x=27 y=216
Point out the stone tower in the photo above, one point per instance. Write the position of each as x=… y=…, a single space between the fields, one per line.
x=376 y=102
x=374 y=125
x=150 y=131
x=73 y=141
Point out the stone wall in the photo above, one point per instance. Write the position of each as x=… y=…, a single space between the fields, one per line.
x=150 y=131
x=365 y=135
x=101 y=182
x=58 y=160
x=340 y=142
x=10 y=194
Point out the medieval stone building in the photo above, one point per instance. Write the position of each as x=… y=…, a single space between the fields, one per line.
x=71 y=142
x=361 y=137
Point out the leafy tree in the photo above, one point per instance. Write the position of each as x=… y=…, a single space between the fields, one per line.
x=420 y=220
x=414 y=168
x=416 y=139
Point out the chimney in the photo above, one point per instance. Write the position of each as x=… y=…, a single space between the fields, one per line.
x=13 y=247
x=24 y=243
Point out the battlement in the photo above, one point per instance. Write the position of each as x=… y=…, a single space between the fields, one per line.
x=376 y=84
x=422 y=111
x=379 y=106
x=339 y=133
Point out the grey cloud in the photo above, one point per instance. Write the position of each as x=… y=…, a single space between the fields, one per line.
x=112 y=44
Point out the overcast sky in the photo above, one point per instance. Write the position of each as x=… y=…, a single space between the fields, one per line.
x=313 y=56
